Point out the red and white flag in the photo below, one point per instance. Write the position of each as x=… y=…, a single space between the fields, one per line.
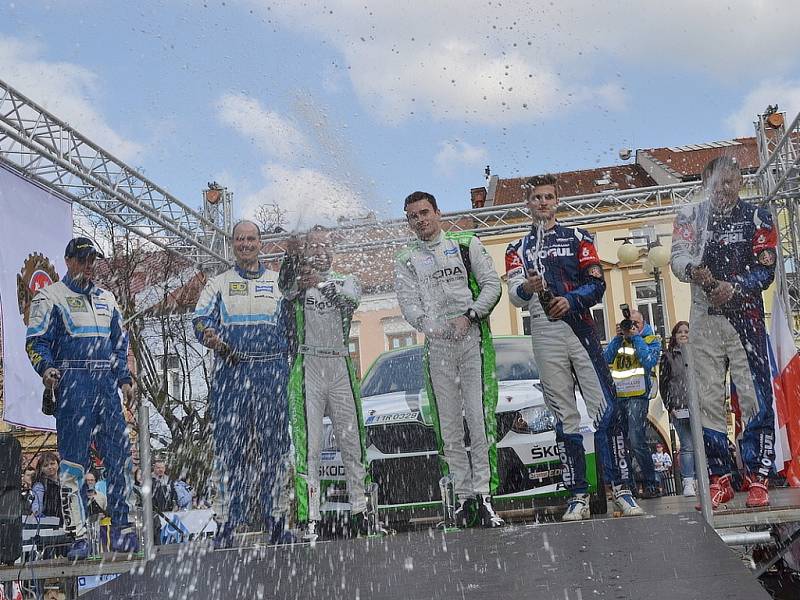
x=16 y=592
x=785 y=364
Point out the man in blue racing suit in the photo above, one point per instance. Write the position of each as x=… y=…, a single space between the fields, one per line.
x=555 y=272
x=241 y=317
x=75 y=341
x=726 y=249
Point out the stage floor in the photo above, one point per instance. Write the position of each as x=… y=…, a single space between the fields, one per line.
x=654 y=557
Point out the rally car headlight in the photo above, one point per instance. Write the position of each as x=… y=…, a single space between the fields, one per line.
x=534 y=420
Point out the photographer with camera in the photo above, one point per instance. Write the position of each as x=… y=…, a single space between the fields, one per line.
x=632 y=355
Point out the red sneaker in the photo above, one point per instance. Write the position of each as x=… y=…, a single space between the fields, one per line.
x=757 y=496
x=721 y=490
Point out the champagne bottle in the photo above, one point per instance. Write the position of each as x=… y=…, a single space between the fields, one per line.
x=48 y=401
x=546 y=297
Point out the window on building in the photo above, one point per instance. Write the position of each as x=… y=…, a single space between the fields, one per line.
x=400 y=340
x=174 y=375
x=599 y=316
x=355 y=354
x=397 y=333
x=526 y=322
x=648 y=232
x=647 y=304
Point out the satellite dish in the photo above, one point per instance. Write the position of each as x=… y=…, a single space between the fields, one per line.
x=625 y=153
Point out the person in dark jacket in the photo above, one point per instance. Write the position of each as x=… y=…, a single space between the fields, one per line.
x=165 y=497
x=46 y=489
x=674 y=394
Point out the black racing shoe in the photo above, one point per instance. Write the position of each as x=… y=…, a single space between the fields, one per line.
x=223 y=539
x=465 y=510
x=650 y=493
x=359 y=524
x=489 y=518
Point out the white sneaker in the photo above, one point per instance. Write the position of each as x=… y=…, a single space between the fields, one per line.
x=312 y=532
x=577 y=508
x=625 y=502
x=689 y=489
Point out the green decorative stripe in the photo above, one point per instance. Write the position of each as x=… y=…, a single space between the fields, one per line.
x=489 y=379
x=462 y=237
x=297 y=418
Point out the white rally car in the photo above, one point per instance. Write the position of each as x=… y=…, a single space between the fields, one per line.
x=401 y=443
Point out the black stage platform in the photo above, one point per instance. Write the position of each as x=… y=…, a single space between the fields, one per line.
x=653 y=557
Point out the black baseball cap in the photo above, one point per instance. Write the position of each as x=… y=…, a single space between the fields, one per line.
x=81 y=247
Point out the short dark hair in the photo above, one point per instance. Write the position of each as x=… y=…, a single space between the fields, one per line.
x=721 y=163
x=417 y=196
x=242 y=222
x=546 y=179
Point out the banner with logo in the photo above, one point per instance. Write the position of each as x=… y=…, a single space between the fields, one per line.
x=35 y=227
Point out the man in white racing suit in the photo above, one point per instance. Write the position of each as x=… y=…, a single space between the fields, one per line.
x=322 y=375
x=447 y=286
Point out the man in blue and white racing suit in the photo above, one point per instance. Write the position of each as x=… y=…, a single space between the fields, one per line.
x=241 y=317
x=76 y=342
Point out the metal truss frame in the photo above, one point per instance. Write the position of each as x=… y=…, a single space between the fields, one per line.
x=779 y=176
x=42 y=148
x=588 y=209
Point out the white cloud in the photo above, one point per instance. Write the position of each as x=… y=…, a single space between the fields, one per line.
x=309 y=196
x=524 y=60
x=271 y=132
x=785 y=93
x=67 y=90
x=456 y=153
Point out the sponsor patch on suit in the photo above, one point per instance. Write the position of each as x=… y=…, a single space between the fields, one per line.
x=237 y=288
x=77 y=304
x=265 y=288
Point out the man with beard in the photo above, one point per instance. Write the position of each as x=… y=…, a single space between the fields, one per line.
x=726 y=248
x=555 y=272
x=76 y=342
x=240 y=316
x=322 y=376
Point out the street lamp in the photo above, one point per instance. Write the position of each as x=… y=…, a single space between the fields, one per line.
x=657 y=257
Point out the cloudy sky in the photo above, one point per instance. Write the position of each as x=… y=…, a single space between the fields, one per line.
x=337 y=107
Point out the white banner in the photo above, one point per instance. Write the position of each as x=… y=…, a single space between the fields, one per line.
x=34 y=230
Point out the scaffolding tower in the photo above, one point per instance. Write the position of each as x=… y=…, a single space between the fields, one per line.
x=779 y=177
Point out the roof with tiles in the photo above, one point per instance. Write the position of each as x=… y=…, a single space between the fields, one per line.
x=578 y=183
x=687 y=162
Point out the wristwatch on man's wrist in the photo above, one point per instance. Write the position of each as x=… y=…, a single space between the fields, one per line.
x=472 y=315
